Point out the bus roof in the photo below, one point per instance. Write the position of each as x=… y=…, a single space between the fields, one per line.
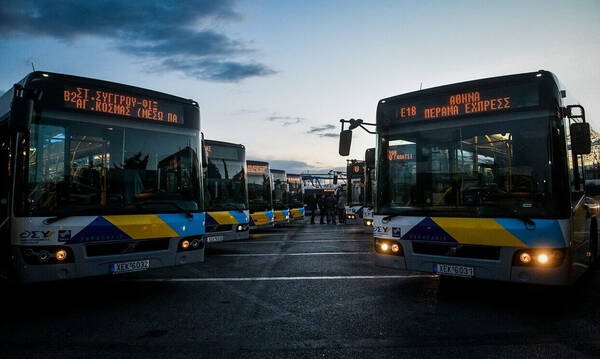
x=479 y=82
x=254 y=162
x=33 y=77
x=222 y=143
x=277 y=171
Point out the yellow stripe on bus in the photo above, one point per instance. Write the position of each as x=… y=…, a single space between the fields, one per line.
x=279 y=216
x=223 y=217
x=142 y=226
x=483 y=231
x=260 y=218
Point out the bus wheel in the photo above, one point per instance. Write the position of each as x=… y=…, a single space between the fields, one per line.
x=594 y=244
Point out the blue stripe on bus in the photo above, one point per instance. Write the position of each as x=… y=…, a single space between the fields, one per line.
x=546 y=233
x=183 y=225
x=239 y=216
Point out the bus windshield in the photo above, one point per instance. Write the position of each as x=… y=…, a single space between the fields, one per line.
x=280 y=190
x=296 y=192
x=73 y=166
x=225 y=178
x=259 y=192
x=483 y=169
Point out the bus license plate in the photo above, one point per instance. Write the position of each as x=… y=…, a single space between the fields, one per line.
x=126 y=267
x=214 y=239
x=454 y=270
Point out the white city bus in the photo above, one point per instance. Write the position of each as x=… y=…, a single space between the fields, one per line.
x=97 y=178
x=485 y=179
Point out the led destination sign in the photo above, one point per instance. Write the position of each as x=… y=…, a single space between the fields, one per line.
x=472 y=101
x=115 y=103
x=257 y=168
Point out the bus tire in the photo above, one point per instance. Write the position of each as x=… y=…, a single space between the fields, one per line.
x=594 y=243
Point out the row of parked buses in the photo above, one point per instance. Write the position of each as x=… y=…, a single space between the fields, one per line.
x=98 y=177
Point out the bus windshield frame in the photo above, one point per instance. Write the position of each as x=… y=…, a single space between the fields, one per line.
x=259 y=187
x=281 y=190
x=81 y=163
x=296 y=191
x=507 y=164
x=225 y=185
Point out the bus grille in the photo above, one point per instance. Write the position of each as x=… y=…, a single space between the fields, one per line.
x=107 y=249
x=219 y=228
x=457 y=250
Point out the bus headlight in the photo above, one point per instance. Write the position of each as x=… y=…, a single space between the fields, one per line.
x=385 y=246
x=539 y=257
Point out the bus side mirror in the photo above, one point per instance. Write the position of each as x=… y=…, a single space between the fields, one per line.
x=345 y=142
x=21 y=110
x=335 y=179
x=581 y=141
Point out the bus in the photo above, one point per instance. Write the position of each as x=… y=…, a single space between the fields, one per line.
x=484 y=179
x=296 y=197
x=281 y=193
x=367 y=212
x=355 y=189
x=260 y=198
x=225 y=192
x=97 y=178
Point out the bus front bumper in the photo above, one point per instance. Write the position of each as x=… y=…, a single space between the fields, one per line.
x=224 y=236
x=501 y=270
x=87 y=266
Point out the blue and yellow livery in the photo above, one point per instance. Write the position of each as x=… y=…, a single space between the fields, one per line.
x=225 y=192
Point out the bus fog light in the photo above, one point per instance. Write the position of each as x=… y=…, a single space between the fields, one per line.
x=61 y=255
x=395 y=248
x=525 y=258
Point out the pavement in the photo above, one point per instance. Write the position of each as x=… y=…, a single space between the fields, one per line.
x=303 y=291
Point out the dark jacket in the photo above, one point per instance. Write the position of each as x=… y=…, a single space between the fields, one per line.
x=330 y=202
x=311 y=202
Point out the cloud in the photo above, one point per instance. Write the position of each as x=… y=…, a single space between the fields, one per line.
x=286 y=120
x=330 y=134
x=173 y=34
x=320 y=129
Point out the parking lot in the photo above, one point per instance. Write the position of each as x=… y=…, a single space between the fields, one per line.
x=300 y=291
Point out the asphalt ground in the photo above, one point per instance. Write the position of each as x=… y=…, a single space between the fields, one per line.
x=300 y=291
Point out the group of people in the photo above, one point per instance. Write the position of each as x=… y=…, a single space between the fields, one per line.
x=329 y=207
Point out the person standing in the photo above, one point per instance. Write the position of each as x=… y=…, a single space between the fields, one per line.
x=341 y=204
x=330 y=204
x=322 y=208
x=312 y=205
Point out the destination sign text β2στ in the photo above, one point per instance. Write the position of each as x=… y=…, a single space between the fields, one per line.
x=122 y=104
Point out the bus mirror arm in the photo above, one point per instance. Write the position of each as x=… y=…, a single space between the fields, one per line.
x=346 y=135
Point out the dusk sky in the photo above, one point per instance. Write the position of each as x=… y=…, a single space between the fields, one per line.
x=277 y=76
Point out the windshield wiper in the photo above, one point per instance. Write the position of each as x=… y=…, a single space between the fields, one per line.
x=529 y=223
x=66 y=215
x=187 y=212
